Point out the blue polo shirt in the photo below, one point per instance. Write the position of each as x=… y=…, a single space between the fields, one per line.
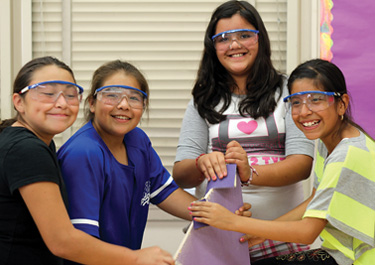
x=107 y=199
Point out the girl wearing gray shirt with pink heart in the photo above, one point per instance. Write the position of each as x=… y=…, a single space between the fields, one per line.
x=237 y=116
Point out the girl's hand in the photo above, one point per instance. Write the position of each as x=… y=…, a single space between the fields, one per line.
x=212 y=164
x=244 y=210
x=154 y=256
x=235 y=154
x=251 y=240
x=212 y=214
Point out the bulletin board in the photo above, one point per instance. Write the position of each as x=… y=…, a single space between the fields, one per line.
x=348 y=41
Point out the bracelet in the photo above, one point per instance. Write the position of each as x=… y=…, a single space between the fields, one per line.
x=196 y=160
x=247 y=183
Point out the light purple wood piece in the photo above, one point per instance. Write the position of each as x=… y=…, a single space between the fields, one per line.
x=209 y=245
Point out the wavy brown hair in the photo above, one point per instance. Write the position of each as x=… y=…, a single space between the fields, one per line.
x=215 y=84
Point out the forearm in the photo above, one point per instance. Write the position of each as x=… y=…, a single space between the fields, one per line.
x=45 y=204
x=83 y=248
x=298 y=212
x=289 y=228
x=287 y=231
x=291 y=170
x=186 y=174
x=295 y=215
x=177 y=204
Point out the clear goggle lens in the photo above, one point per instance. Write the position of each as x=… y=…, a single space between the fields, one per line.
x=314 y=100
x=49 y=91
x=245 y=37
x=113 y=95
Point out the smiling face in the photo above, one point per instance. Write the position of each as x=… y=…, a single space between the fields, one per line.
x=238 y=59
x=114 y=121
x=46 y=119
x=322 y=124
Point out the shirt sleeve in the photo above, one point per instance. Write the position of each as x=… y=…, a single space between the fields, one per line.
x=82 y=169
x=329 y=171
x=193 y=139
x=30 y=161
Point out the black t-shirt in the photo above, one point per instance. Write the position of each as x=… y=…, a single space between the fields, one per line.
x=24 y=159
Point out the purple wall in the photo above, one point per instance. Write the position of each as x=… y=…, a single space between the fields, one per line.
x=354 y=53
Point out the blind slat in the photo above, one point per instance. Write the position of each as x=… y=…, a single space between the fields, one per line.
x=164 y=39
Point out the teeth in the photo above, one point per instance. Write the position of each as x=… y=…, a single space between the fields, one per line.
x=121 y=117
x=309 y=124
x=237 y=55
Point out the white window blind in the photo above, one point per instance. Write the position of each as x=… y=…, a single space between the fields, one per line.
x=164 y=39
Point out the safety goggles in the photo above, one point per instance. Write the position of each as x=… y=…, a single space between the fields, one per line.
x=49 y=91
x=244 y=37
x=314 y=100
x=114 y=94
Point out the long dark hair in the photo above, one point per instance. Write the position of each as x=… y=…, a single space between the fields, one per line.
x=214 y=83
x=106 y=70
x=25 y=76
x=327 y=77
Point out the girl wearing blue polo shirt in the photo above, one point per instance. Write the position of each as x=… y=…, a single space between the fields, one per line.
x=111 y=171
x=341 y=208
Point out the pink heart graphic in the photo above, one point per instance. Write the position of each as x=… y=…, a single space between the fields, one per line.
x=247 y=127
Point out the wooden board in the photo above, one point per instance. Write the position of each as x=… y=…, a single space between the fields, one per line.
x=204 y=244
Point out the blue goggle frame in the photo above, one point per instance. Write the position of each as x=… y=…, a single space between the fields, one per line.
x=52 y=81
x=312 y=92
x=233 y=31
x=121 y=86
